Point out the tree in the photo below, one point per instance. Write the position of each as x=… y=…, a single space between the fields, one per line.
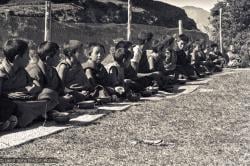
x=235 y=22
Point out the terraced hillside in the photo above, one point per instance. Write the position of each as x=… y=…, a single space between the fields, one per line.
x=147 y=12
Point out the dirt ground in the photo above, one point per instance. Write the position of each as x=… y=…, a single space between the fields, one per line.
x=207 y=127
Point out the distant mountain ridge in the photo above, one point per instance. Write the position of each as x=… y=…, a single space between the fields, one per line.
x=200 y=16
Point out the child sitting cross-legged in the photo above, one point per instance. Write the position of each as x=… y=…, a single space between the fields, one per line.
x=234 y=57
x=123 y=88
x=199 y=59
x=94 y=69
x=71 y=71
x=43 y=71
x=183 y=64
x=171 y=60
x=216 y=60
x=18 y=86
x=156 y=64
x=11 y=71
x=132 y=79
x=136 y=83
x=140 y=61
x=96 y=73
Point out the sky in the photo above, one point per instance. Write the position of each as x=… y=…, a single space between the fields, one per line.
x=205 y=4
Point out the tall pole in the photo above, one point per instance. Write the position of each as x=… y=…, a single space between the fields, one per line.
x=47 y=32
x=180 y=27
x=129 y=20
x=221 y=44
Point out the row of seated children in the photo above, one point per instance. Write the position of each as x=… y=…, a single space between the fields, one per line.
x=34 y=84
x=41 y=89
x=173 y=58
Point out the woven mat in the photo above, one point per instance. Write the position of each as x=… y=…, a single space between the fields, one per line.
x=19 y=137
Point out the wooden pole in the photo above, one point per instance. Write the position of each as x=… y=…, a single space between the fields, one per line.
x=47 y=32
x=221 y=44
x=180 y=27
x=129 y=20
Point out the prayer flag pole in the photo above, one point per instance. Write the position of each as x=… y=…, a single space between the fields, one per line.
x=129 y=20
x=221 y=44
x=180 y=27
x=47 y=32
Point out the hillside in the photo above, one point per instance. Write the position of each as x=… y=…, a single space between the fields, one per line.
x=33 y=29
x=147 y=12
x=200 y=16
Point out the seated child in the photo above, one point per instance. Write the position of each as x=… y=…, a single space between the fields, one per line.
x=234 y=58
x=43 y=71
x=156 y=63
x=17 y=85
x=245 y=54
x=139 y=61
x=183 y=64
x=96 y=73
x=122 y=87
x=199 y=59
x=116 y=70
x=155 y=60
x=135 y=81
x=171 y=58
x=94 y=69
x=215 y=59
x=71 y=71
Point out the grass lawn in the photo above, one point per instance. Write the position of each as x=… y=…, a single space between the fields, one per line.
x=203 y=128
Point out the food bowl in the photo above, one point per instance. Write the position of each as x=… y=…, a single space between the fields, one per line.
x=90 y=104
x=103 y=100
x=62 y=118
x=146 y=93
x=134 y=97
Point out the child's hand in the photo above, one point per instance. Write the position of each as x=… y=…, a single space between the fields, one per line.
x=68 y=97
x=216 y=60
x=155 y=55
x=156 y=74
x=34 y=88
x=19 y=95
x=120 y=90
x=149 y=53
x=30 y=88
x=84 y=92
x=76 y=87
